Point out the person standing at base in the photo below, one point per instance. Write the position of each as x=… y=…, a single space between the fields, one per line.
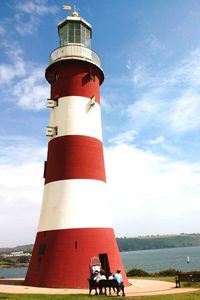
x=99 y=278
x=111 y=277
x=120 y=285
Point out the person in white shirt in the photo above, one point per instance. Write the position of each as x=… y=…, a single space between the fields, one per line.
x=118 y=278
x=101 y=276
x=111 y=277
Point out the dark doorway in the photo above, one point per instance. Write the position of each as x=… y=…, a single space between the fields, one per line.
x=104 y=263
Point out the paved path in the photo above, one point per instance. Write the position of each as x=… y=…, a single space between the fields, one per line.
x=138 y=287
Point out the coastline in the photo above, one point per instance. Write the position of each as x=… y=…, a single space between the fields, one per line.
x=10 y=266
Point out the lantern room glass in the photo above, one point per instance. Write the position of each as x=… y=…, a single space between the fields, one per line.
x=74 y=32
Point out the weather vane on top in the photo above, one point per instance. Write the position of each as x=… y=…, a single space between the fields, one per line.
x=68 y=7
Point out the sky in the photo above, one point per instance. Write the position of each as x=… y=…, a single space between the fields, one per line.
x=150 y=100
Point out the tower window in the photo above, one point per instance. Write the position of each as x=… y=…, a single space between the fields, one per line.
x=42 y=249
x=56 y=76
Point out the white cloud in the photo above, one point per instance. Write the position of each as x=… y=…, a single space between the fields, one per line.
x=177 y=115
x=129 y=64
x=125 y=137
x=158 y=140
x=26 y=28
x=23 y=146
x=184 y=72
x=33 y=10
x=21 y=185
x=139 y=75
x=188 y=69
x=21 y=196
x=13 y=50
x=150 y=192
x=32 y=91
x=16 y=68
x=168 y=99
x=184 y=115
x=105 y=104
x=154 y=43
x=36 y=7
x=11 y=71
x=149 y=109
x=162 y=145
x=2 y=30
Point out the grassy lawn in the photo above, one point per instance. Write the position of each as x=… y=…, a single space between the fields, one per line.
x=162 y=278
x=170 y=279
x=186 y=296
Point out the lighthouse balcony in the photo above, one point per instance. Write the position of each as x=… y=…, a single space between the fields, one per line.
x=75 y=52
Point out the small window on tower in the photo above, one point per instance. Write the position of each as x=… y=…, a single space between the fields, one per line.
x=42 y=249
x=57 y=76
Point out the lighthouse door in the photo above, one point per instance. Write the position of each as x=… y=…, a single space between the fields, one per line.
x=104 y=263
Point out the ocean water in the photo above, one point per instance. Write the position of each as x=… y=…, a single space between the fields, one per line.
x=147 y=260
x=13 y=272
x=161 y=259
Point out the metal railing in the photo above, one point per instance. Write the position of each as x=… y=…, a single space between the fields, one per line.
x=74 y=52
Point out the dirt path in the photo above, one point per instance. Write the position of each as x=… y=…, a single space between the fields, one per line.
x=138 y=287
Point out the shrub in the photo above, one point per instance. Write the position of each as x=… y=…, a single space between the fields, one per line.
x=168 y=272
x=137 y=272
x=191 y=272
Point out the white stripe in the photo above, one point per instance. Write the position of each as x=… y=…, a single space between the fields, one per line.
x=77 y=203
x=75 y=116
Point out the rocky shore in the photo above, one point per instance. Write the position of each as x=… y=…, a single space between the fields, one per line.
x=15 y=265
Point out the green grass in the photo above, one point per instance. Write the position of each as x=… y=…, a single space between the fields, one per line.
x=169 y=279
x=161 y=278
x=184 y=296
x=191 y=284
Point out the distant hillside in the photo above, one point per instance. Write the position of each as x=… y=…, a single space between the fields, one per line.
x=26 y=248
x=158 y=242
x=140 y=243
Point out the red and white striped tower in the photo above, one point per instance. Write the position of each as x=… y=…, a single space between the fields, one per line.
x=75 y=223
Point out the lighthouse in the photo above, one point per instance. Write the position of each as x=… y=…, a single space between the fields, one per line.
x=75 y=231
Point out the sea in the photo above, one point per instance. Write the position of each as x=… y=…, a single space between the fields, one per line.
x=147 y=260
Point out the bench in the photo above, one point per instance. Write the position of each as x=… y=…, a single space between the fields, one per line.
x=186 y=278
x=104 y=284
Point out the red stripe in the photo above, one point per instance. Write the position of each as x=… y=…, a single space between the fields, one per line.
x=75 y=157
x=73 y=78
x=61 y=258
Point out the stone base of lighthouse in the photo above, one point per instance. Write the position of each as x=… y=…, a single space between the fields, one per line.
x=61 y=258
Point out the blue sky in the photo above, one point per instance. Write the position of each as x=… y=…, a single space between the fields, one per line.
x=150 y=51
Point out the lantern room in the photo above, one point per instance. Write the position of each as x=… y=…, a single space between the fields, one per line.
x=75 y=30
